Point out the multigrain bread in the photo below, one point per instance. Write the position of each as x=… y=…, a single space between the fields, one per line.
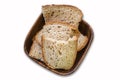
x=59 y=40
x=65 y=14
x=36 y=51
x=62 y=13
x=56 y=30
x=59 y=54
x=82 y=41
x=61 y=33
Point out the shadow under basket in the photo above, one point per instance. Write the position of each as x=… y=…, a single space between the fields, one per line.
x=84 y=28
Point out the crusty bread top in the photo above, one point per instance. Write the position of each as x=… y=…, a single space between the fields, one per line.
x=63 y=13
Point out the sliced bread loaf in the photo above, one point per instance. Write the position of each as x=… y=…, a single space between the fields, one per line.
x=59 y=54
x=56 y=30
x=62 y=13
x=36 y=51
x=61 y=32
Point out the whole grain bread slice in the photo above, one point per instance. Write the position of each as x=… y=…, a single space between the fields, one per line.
x=61 y=31
x=82 y=42
x=59 y=54
x=62 y=13
x=56 y=30
x=36 y=51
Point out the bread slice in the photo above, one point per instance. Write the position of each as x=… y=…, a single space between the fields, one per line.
x=82 y=41
x=56 y=30
x=36 y=51
x=60 y=31
x=59 y=54
x=62 y=13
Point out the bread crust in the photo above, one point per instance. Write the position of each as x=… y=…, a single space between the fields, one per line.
x=61 y=23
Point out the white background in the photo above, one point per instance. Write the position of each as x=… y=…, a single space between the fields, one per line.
x=102 y=61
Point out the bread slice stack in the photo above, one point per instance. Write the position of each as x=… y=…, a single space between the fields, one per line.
x=59 y=40
x=57 y=30
x=66 y=14
x=59 y=45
